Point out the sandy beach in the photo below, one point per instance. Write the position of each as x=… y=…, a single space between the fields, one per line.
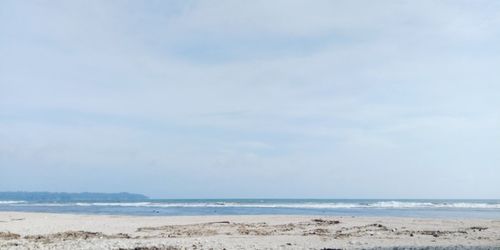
x=67 y=231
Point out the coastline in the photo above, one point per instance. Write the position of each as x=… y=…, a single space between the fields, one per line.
x=21 y=230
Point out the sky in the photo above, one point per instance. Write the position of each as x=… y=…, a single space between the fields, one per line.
x=251 y=99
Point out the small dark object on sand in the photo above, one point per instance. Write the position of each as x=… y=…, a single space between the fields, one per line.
x=151 y=248
x=329 y=222
x=478 y=228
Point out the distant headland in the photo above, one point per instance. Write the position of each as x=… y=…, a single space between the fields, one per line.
x=86 y=196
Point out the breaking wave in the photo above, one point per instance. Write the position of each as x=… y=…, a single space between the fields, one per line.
x=290 y=205
x=11 y=202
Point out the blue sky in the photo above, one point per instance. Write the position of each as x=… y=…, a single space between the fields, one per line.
x=219 y=99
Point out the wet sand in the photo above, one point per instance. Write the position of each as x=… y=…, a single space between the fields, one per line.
x=67 y=231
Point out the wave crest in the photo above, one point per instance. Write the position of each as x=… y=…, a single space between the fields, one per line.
x=285 y=205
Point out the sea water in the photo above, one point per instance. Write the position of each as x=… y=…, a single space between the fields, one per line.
x=488 y=209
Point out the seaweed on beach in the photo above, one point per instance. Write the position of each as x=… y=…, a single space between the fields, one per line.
x=151 y=248
x=325 y=222
x=75 y=235
x=9 y=236
x=439 y=233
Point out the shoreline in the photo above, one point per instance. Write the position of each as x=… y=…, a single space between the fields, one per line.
x=21 y=230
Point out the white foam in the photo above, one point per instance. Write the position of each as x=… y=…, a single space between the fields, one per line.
x=311 y=205
x=291 y=205
x=116 y=204
x=11 y=202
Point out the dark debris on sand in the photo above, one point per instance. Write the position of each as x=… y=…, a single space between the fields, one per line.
x=151 y=248
x=9 y=236
x=325 y=222
x=75 y=235
x=437 y=248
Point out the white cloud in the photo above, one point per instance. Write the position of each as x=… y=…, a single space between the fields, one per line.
x=288 y=86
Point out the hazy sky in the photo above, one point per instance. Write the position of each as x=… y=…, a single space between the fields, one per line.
x=199 y=99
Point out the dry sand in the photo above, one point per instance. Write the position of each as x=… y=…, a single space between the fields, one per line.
x=66 y=231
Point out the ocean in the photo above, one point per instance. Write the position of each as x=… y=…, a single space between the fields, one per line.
x=487 y=209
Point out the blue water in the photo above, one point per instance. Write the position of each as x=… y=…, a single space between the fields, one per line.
x=154 y=207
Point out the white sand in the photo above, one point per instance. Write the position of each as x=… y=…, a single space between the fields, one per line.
x=65 y=231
